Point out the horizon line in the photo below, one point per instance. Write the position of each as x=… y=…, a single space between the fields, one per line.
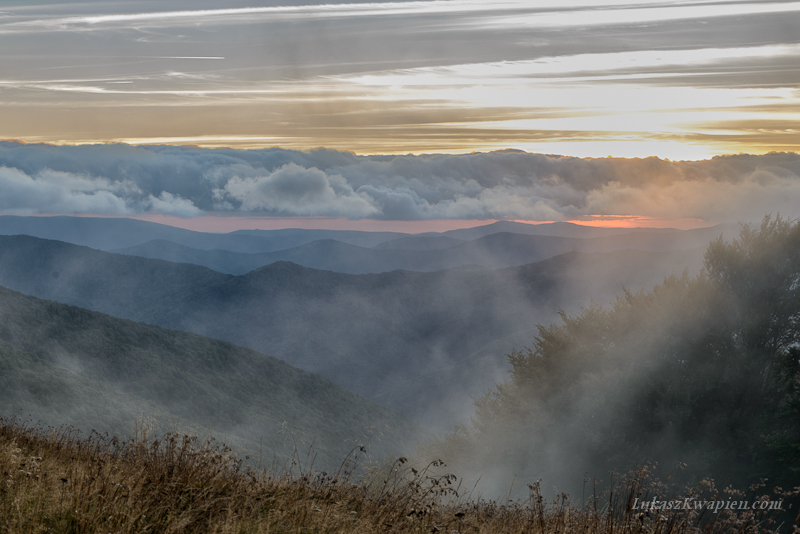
x=115 y=142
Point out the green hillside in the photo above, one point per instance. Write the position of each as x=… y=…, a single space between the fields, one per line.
x=62 y=364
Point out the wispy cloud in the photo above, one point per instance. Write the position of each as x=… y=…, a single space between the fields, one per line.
x=305 y=11
x=583 y=77
x=561 y=68
x=639 y=14
x=252 y=14
x=522 y=13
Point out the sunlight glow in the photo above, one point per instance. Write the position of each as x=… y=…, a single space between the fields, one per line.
x=499 y=73
x=686 y=79
x=634 y=221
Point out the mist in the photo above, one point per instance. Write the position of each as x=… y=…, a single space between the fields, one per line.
x=453 y=253
x=423 y=325
x=694 y=377
x=574 y=366
x=424 y=344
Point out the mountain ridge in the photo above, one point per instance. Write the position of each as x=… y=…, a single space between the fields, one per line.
x=494 y=251
x=368 y=333
x=53 y=357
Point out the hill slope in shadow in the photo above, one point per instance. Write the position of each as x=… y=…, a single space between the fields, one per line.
x=420 y=343
x=63 y=364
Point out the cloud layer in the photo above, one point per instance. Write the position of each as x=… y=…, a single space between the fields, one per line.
x=189 y=182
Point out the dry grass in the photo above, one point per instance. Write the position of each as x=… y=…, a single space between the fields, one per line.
x=56 y=481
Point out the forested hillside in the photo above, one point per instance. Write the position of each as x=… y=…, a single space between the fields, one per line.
x=420 y=343
x=701 y=370
x=65 y=365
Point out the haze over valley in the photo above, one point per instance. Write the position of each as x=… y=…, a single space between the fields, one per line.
x=423 y=324
x=421 y=343
x=400 y=266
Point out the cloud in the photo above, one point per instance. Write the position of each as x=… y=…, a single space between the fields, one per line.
x=87 y=22
x=59 y=192
x=408 y=76
x=169 y=204
x=295 y=190
x=508 y=14
x=190 y=181
x=747 y=199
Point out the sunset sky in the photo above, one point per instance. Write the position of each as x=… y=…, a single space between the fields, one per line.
x=683 y=80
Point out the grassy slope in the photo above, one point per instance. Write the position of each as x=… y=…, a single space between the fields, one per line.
x=52 y=482
x=65 y=364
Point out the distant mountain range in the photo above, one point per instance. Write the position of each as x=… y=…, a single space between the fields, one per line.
x=65 y=365
x=555 y=229
x=419 y=342
x=424 y=253
x=497 y=245
x=114 y=233
x=432 y=253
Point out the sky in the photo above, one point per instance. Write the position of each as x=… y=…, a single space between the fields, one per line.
x=635 y=78
x=678 y=80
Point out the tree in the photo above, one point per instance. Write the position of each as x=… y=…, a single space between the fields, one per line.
x=702 y=370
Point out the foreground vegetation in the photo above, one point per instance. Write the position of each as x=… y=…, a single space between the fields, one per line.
x=56 y=481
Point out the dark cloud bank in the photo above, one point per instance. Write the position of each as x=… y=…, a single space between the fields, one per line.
x=189 y=181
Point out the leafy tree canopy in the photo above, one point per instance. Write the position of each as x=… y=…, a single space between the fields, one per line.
x=703 y=371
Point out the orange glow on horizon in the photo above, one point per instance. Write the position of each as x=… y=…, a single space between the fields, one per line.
x=631 y=221
x=606 y=221
x=221 y=224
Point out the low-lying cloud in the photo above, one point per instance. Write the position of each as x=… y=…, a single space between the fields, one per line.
x=295 y=190
x=51 y=191
x=189 y=182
